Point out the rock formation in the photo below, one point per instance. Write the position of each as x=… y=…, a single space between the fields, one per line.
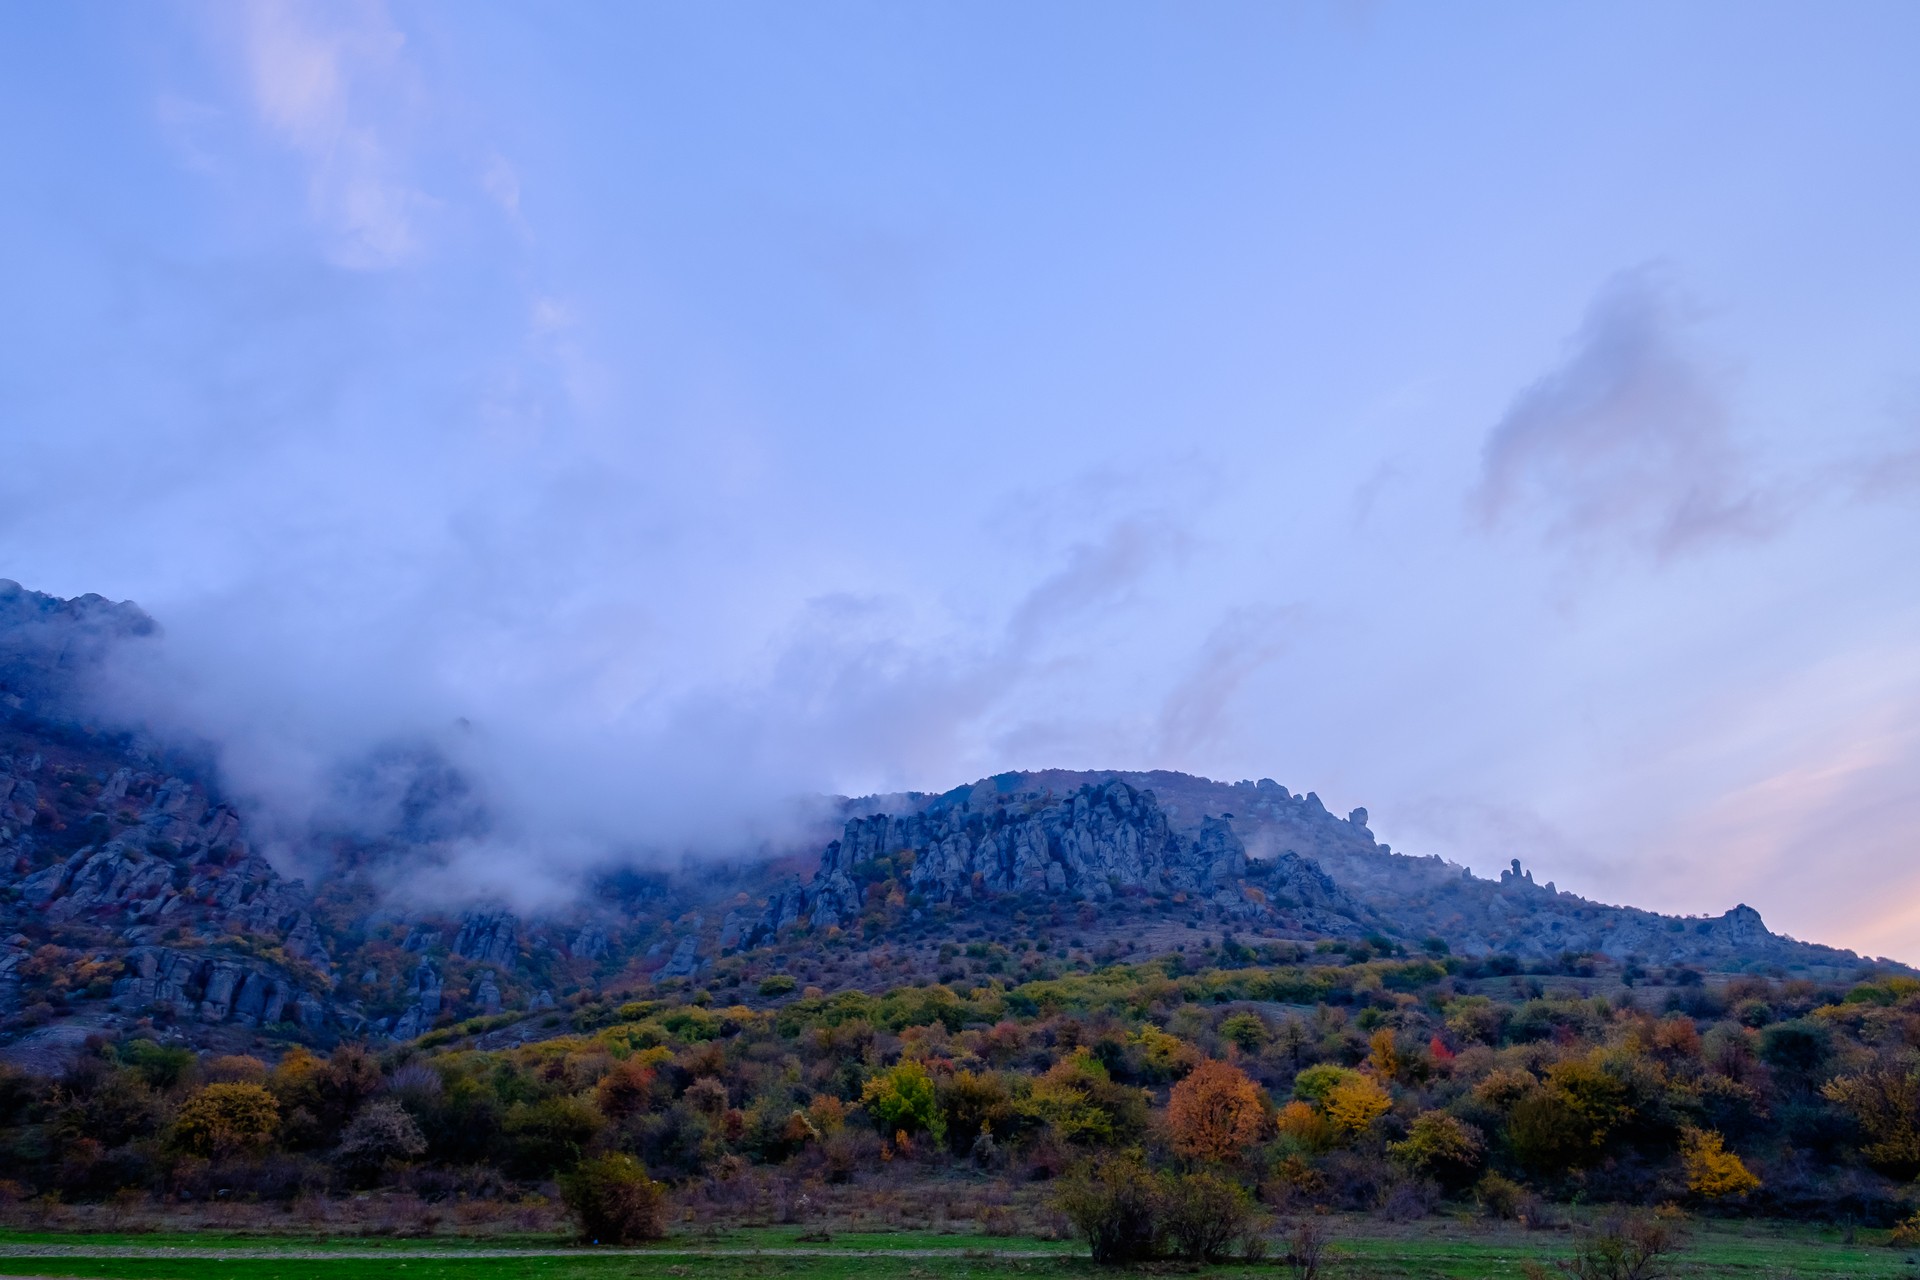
x=1102 y=841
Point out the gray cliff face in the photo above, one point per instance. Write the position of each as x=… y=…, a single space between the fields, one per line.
x=167 y=874
x=1099 y=842
x=487 y=937
x=49 y=646
x=1414 y=897
x=219 y=988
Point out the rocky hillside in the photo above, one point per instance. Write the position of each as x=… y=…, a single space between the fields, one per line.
x=1420 y=897
x=1102 y=842
x=132 y=892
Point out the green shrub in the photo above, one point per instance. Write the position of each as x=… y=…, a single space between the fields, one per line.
x=902 y=1099
x=1204 y=1214
x=614 y=1201
x=777 y=984
x=549 y=1134
x=161 y=1067
x=1117 y=1205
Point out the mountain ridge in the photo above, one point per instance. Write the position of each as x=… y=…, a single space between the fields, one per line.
x=130 y=891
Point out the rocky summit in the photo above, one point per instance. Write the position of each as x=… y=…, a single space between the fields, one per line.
x=133 y=891
x=1105 y=840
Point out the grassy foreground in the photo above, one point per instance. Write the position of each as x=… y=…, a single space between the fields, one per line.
x=1360 y=1250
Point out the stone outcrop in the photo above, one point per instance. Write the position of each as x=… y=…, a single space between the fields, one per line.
x=1097 y=843
x=50 y=646
x=685 y=960
x=218 y=988
x=180 y=864
x=487 y=938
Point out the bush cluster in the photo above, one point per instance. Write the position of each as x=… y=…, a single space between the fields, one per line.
x=1171 y=1102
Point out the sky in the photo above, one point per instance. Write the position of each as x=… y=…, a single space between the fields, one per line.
x=1504 y=417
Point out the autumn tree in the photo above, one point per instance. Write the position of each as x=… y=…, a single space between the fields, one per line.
x=1247 y=1030
x=626 y=1090
x=1355 y=1103
x=1440 y=1146
x=1713 y=1171
x=227 y=1119
x=550 y=1134
x=1078 y=1100
x=1307 y=1128
x=975 y=1103
x=1383 y=1054
x=902 y=1099
x=1216 y=1113
x=1884 y=1100
x=231 y=1068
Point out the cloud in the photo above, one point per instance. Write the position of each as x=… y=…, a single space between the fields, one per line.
x=595 y=710
x=502 y=185
x=329 y=81
x=1628 y=440
x=1485 y=835
x=1890 y=470
x=1100 y=571
x=1199 y=709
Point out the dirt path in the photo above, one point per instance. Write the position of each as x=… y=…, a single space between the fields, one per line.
x=19 y=1251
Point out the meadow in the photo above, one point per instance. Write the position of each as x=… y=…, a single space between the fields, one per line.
x=1359 y=1248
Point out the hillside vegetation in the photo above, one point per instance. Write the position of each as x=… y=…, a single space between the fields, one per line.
x=1391 y=1085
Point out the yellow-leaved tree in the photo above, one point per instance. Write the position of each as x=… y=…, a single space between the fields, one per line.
x=1356 y=1102
x=227 y=1119
x=1712 y=1170
x=1884 y=1101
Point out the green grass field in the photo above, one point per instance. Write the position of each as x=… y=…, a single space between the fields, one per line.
x=1360 y=1249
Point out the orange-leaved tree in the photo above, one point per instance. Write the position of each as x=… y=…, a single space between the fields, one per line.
x=1216 y=1112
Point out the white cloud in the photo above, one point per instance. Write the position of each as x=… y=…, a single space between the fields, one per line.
x=1629 y=439
x=329 y=81
x=502 y=185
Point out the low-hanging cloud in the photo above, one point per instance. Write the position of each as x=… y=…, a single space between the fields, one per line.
x=460 y=585
x=597 y=761
x=1629 y=439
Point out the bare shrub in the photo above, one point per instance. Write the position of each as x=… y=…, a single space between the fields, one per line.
x=1633 y=1247
x=1306 y=1245
x=381 y=1137
x=1408 y=1199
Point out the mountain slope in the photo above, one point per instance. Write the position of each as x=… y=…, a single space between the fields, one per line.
x=1420 y=897
x=131 y=890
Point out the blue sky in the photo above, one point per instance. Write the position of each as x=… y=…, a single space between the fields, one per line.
x=1503 y=417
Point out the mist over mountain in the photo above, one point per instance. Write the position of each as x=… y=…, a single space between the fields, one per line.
x=143 y=878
